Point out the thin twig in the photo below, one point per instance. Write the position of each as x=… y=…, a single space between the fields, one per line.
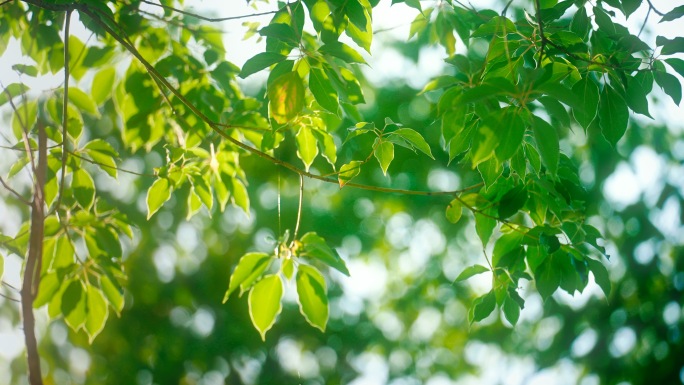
x=650 y=6
x=299 y=209
x=3 y=295
x=537 y=5
x=648 y=13
x=19 y=196
x=109 y=166
x=205 y=18
x=10 y=286
x=65 y=111
x=6 y=2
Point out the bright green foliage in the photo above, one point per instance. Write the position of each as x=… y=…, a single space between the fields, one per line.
x=527 y=81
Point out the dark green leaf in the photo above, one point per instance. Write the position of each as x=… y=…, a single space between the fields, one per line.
x=674 y=14
x=613 y=115
x=512 y=201
x=260 y=61
x=671 y=47
x=546 y=137
x=511 y=310
x=600 y=275
x=414 y=139
x=484 y=307
x=587 y=94
x=670 y=84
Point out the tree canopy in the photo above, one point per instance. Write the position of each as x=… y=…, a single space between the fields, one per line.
x=173 y=217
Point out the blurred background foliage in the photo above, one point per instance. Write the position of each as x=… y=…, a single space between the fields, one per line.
x=399 y=319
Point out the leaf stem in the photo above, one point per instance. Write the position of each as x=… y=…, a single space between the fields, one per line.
x=299 y=209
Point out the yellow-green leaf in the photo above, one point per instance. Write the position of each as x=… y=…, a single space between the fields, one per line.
x=348 y=172
x=157 y=195
x=102 y=85
x=454 y=211
x=312 y=296
x=84 y=188
x=249 y=269
x=96 y=312
x=307 y=148
x=264 y=303
x=384 y=153
x=286 y=97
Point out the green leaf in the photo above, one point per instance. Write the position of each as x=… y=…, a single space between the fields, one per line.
x=73 y=305
x=483 y=306
x=505 y=245
x=102 y=85
x=249 y=269
x=510 y=132
x=546 y=137
x=671 y=47
x=316 y=248
x=280 y=31
x=312 y=296
x=264 y=303
x=512 y=201
x=556 y=110
x=49 y=286
x=286 y=97
x=676 y=64
x=83 y=101
x=103 y=154
x=113 y=293
x=96 y=312
x=260 y=61
x=485 y=140
x=384 y=153
x=511 y=310
x=674 y=14
x=240 y=195
x=84 y=188
x=322 y=90
x=14 y=90
x=342 y=51
x=348 y=172
x=471 y=271
x=613 y=115
x=600 y=275
x=454 y=211
x=580 y=23
x=587 y=93
x=484 y=226
x=547 y=278
x=157 y=195
x=307 y=148
x=670 y=84
x=26 y=69
x=415 y=139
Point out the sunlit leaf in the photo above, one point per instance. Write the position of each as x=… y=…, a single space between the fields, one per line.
x=286 y=97
x=348 y=172
x=471 y=271
x=312 y=296
x=249 y=269
x=264 y=303
x=260 y=61
x=157 y=195
x=384 y=153
x=307 y=147
x=96 y=312
x=316 y=248
x=454 y=211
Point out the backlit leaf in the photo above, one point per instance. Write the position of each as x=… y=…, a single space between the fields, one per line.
x=384 y=153
x=312 y=296
x=348 y=172
x=316 y=248
x=587 y=94
x=96 y=312
x=264 y=303
x=249 y=269
x=84 y=188
x=286 y=97
x=157 y=195
x=307 y=147
x=322 y=90
x=471 y=271
x=454 y=211
x=342 y=51
x=260 y=61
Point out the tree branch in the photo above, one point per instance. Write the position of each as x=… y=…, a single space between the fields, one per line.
x=14 y=192
x=31 y=281
x=205 y=18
